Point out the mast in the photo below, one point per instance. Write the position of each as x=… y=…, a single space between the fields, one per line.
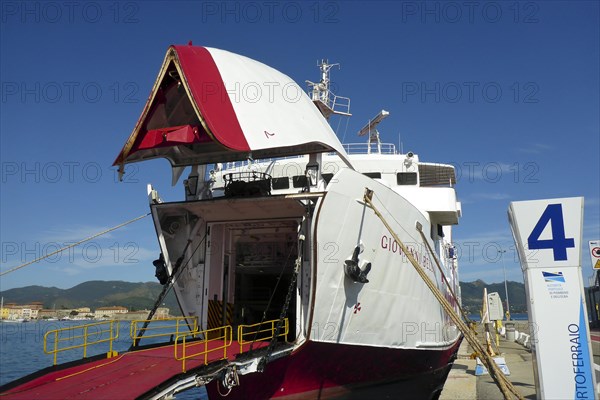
x=327 y=102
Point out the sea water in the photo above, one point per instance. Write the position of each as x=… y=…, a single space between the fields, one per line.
x=22 y=349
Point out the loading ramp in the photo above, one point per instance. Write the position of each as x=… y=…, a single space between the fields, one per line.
x=155 y=371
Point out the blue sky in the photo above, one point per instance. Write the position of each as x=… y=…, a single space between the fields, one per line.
x=508 y=92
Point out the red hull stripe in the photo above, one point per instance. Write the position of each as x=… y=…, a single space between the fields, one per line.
x=323 y=370
x=210 y=95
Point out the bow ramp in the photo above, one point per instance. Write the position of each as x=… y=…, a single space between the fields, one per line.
x=191 y=358
x=212 y=106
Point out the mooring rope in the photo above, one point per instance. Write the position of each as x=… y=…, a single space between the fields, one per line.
x=74 y=244
x=505 y=386
x=437 y=262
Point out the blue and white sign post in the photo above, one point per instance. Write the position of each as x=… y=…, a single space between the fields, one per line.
x=548 y=238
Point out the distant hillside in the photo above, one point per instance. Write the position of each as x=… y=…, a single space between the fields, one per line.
x=141 y=295
x=472 y=295
x=94 y=294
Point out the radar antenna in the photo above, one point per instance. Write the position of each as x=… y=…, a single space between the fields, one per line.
x=371 y=129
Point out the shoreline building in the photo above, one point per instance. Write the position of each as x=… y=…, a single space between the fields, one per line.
x=109 y=312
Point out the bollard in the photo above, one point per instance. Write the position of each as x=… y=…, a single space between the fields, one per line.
x=510 y=332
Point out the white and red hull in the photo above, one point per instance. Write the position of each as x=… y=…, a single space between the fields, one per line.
x=348 y=338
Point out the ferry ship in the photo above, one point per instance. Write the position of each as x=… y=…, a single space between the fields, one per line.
x=304 y=268
x=274 y=233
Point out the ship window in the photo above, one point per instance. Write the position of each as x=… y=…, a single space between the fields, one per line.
x=406 y=178
x=327 y=177
x=373 y=175
x=299 y=181
x=280 y=183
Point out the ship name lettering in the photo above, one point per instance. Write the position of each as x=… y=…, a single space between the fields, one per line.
x=390 y=244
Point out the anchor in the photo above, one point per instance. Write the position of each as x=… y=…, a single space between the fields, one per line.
x=353 y=271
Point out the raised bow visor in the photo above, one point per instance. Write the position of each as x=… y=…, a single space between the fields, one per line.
x=209 y=105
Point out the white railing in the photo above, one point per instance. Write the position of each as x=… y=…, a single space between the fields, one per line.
x=366 y=148
x=256 y=165
x=338 y=104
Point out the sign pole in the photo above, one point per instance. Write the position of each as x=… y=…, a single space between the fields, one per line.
x=548 y=235
x=594 y=284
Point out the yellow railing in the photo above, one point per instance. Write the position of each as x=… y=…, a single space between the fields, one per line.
x=182 y=350
x=89 y=335
x=257 y=334
x=186 y=345
x=183 y=325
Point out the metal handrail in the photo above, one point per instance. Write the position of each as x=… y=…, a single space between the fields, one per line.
x=182 y=326
x=112 y=328
x=247 y=176
x=226 y=337
x=366 y=148
x=340 y=102
x=181 y=346
x=256 y=333
x=331 y=100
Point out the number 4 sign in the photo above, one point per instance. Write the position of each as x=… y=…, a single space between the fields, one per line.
x=559 y=244
x=548 y=232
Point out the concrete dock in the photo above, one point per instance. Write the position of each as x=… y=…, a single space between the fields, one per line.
x=462 y=384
